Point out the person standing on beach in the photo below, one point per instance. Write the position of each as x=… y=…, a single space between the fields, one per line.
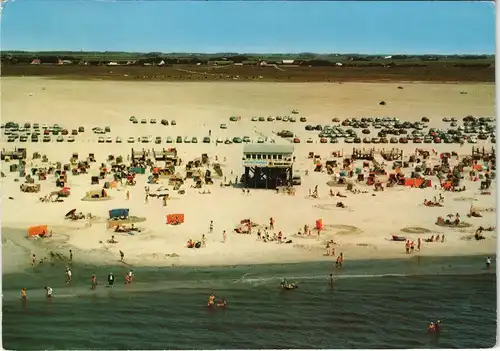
x=128 y=195
x=122 y=256
x=211 y=228
x=224 y=236
x=419 y=244
x=203 y=241
x=70 y=255
x=271 y=223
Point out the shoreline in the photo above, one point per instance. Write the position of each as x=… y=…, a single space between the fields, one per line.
x=95 y=258
x=280 y=82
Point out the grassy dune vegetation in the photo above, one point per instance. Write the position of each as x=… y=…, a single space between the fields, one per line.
x=249 y=67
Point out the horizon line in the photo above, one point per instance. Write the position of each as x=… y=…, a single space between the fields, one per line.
x=247 y=53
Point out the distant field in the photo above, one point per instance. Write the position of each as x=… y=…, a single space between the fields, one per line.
x=434 y=72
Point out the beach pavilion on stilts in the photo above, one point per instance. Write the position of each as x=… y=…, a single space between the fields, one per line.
x=267 y=166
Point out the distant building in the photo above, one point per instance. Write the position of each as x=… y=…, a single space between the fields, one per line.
x=112 y=63
x=288 y=62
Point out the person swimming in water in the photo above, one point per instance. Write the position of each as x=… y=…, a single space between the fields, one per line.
x=434 y=327
x=222 y=303
x=211 y=300
x=24 y=294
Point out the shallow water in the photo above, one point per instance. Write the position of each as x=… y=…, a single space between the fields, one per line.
x=373 y=304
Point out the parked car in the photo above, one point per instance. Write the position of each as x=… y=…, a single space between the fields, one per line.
x=152 y=121
x=107 y=129
x=74 y=132
x=118 y=140
x=187 y=140
x=173 y=123
x=178 y=139
x=164 y=122
x=237 y=140
x=303 y=119
x=100 y=140
x=296 y=140
x=23 y=138
x=158 y=140
x=260 y=140
x=71 y=139
x=131 y=140
x=60 y=139
x=246 y=139
x=169 y=139
x=145 y=140
x=206 y=140
x=144 y=121
x=223 y=126
x=81 y=129
x=194 y=140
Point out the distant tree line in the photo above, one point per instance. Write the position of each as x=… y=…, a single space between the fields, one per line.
x=302 y=59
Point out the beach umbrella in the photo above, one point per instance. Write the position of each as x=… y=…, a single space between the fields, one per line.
x=70 y=213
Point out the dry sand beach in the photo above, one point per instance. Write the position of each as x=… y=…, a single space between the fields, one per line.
x=362 y=230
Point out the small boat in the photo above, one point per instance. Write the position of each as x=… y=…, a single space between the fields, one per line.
x=398 y=238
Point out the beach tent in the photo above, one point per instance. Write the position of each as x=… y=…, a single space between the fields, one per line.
x=119 y=212
x=38 y=230
x=175 y=218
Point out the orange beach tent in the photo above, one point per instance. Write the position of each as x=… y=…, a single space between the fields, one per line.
x=38 y=230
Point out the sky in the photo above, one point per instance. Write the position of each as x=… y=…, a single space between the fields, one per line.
x=368 y=27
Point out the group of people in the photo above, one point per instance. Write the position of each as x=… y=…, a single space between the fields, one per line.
x=212 y=302
x=129 y=278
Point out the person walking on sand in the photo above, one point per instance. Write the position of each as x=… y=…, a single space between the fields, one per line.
x=146 y=198
x=203 y=241
x=224 y=236
x=419 y=244
x=122 y=255
x=70 y=255
x=128 y=195
x=271 y=223
x=211 y=227
x=165 y=200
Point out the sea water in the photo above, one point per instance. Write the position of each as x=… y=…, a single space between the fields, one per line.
x=372 y=304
